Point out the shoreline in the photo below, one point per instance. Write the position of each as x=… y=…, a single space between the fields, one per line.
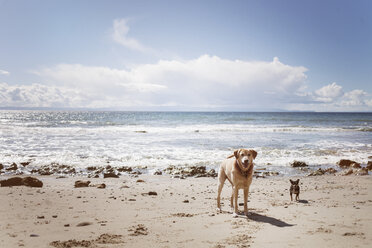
x=342 y=167
x=333 y=211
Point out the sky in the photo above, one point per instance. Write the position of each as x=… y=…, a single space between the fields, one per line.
x=264 y=55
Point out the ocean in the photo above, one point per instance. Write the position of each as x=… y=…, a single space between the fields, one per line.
x=156 y=140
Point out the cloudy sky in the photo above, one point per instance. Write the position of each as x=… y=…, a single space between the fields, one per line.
x=187 y=55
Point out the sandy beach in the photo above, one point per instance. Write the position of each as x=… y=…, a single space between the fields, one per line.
x=160 y=211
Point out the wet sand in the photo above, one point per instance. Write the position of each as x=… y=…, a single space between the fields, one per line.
x=160 y=211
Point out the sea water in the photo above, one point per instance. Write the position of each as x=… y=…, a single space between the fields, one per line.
x=156 y=140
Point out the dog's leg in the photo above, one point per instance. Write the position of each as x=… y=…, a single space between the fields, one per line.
x=297 y=197
x=246 y=190
x=232 y=199
x=236 y=191
x=221 y=182
x=291 y=196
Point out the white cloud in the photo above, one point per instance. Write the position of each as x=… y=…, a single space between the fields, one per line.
x=354 y=98
x=329 y=92
x=207 y=82
x=37 y=95
x=2 y=72
x=332 y=98
x=120 y=36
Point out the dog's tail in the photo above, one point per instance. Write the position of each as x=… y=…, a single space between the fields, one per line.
x=231 y=156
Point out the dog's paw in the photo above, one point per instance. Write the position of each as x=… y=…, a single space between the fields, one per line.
x=235 y=215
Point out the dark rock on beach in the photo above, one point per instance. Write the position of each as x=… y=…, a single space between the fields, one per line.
x=92 y=168
x=320 y=172
x=24 y=164
x=1 y=166
x=19 y=181
x=53 y=168
x=297 y=164
x=110 y=174
x=347 y=172
x=14 y=181
x=346 y=163
x=12 y=167
x=85 y=223
x=369 y=165
x=81 y=184
x=361 y=172
x=32 y=182
x=101 y=186
x=125 y=169
x=192 y=171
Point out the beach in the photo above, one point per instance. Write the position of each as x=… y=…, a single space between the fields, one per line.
x=163 y=211
x=153 y=179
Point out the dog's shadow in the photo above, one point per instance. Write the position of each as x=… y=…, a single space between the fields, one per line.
x=267 y=219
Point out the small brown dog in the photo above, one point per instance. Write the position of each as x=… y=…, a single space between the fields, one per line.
x=294 y=189
x=238 y=170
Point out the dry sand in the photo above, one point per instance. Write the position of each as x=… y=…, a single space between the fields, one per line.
x=334 y=211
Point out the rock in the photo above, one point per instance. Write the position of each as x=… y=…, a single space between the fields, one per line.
x=212 y=173
x=101 y=186
x=92 y=168
x=1 y=166
x=14 y=181
x=318 y=172
x=54 y=168
x=24 y=164
x=158 y=173
x=125 y=169
x=296 y=164
x=12 y=167
x=32 y=182
x=348 y=172
x=80 y=184
x=85 y=223
x=346 y=163
x=369 y=165
x=19 y=181
x=190 y=171
x=361 y=172
x=356 y=165
x=153 y=193
x=330 y=171
x=269 y=173
x=140 y=181
x=110 y=175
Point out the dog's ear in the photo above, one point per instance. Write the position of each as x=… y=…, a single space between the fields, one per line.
x=298 y=180
x=291 y=181
x=236 y=153
x=254 y=153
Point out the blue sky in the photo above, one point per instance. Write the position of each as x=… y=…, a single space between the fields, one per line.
x=187 y=55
